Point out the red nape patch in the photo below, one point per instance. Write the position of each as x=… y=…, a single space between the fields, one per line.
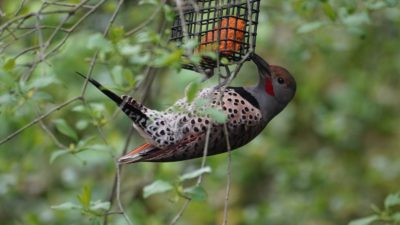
x=269 y=88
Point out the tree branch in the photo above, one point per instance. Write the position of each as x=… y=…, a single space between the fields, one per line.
x=37 y=119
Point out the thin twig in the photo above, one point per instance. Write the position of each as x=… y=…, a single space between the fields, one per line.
x=32 y=48
x=150 y=75
x=146 y=22
x=21 y=5
x=40 y=37
x=188 y=52
x=221 y=87
x=121 y=207
x=102 y=136
x=37 y=27
x=67 y=4
x=51 y=135
x=180 y=212
x=4 y=37
x=37 y=119
x=94 y=58
x=199 y=179
x=228 y=174
x=27 y=16
x=205 y=153
x=43 y=27
x=52 y=37
x=117 y=181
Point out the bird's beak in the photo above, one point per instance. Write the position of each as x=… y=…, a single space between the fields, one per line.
x=263 y=67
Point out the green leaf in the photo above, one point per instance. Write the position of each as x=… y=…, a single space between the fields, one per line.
x=9 y=64
x=196 y=59
x=168 y=12
x=66 y=206
x=42 y=82
x=158 y=186
x=79 y=108
x=98 y=42
x=376 y=5
x=95 y=221
x=196 y=193
x=58 y=153
x=148 y=37
x=85 y=197
x=195 y=173
x=84 y=142
x=117 y=75
x=65 y=129
x=99 y=205
x=392 y=200
x=357 y=31
x=357 y=19
x=200 y=102
x=224 y=61
x=364 y=221
x=308 y=27
x=216 y=114
x=81 y=124
x=375 y=209
x=191 y=90
x=117 y=33
x=392 y=3
x=129 y=77
x=151 y=2
x=130 y=50
x=396 y=217
x=167 y=58
x=211 y=55
x=98 y=147
x=190 y=44
x=329 y=11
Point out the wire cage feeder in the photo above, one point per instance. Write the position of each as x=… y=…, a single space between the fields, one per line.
x=225 y=27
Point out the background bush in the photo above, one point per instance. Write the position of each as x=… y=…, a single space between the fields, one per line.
x=324 y=160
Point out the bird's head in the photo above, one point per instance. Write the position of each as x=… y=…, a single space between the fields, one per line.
x=275 y=81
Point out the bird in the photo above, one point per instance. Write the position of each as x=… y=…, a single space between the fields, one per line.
x=180 y=132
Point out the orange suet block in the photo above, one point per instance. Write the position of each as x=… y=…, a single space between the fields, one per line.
x=231 y=35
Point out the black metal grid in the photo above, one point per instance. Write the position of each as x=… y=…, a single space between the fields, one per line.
x=208 y=21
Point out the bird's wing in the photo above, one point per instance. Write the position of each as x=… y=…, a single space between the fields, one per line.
x=150 y=153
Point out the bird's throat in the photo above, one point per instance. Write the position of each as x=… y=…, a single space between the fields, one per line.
x=269 y=88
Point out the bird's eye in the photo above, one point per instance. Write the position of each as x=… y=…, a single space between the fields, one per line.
x=281 y=80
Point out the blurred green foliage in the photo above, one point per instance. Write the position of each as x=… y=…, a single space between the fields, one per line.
x=325 y=160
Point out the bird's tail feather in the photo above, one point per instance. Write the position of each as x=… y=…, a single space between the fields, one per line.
x=131 y=111
x=136 y=155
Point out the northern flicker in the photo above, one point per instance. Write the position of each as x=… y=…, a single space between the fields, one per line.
x=179 y=133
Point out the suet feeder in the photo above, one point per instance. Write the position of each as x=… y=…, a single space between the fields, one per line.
x=227 y=28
